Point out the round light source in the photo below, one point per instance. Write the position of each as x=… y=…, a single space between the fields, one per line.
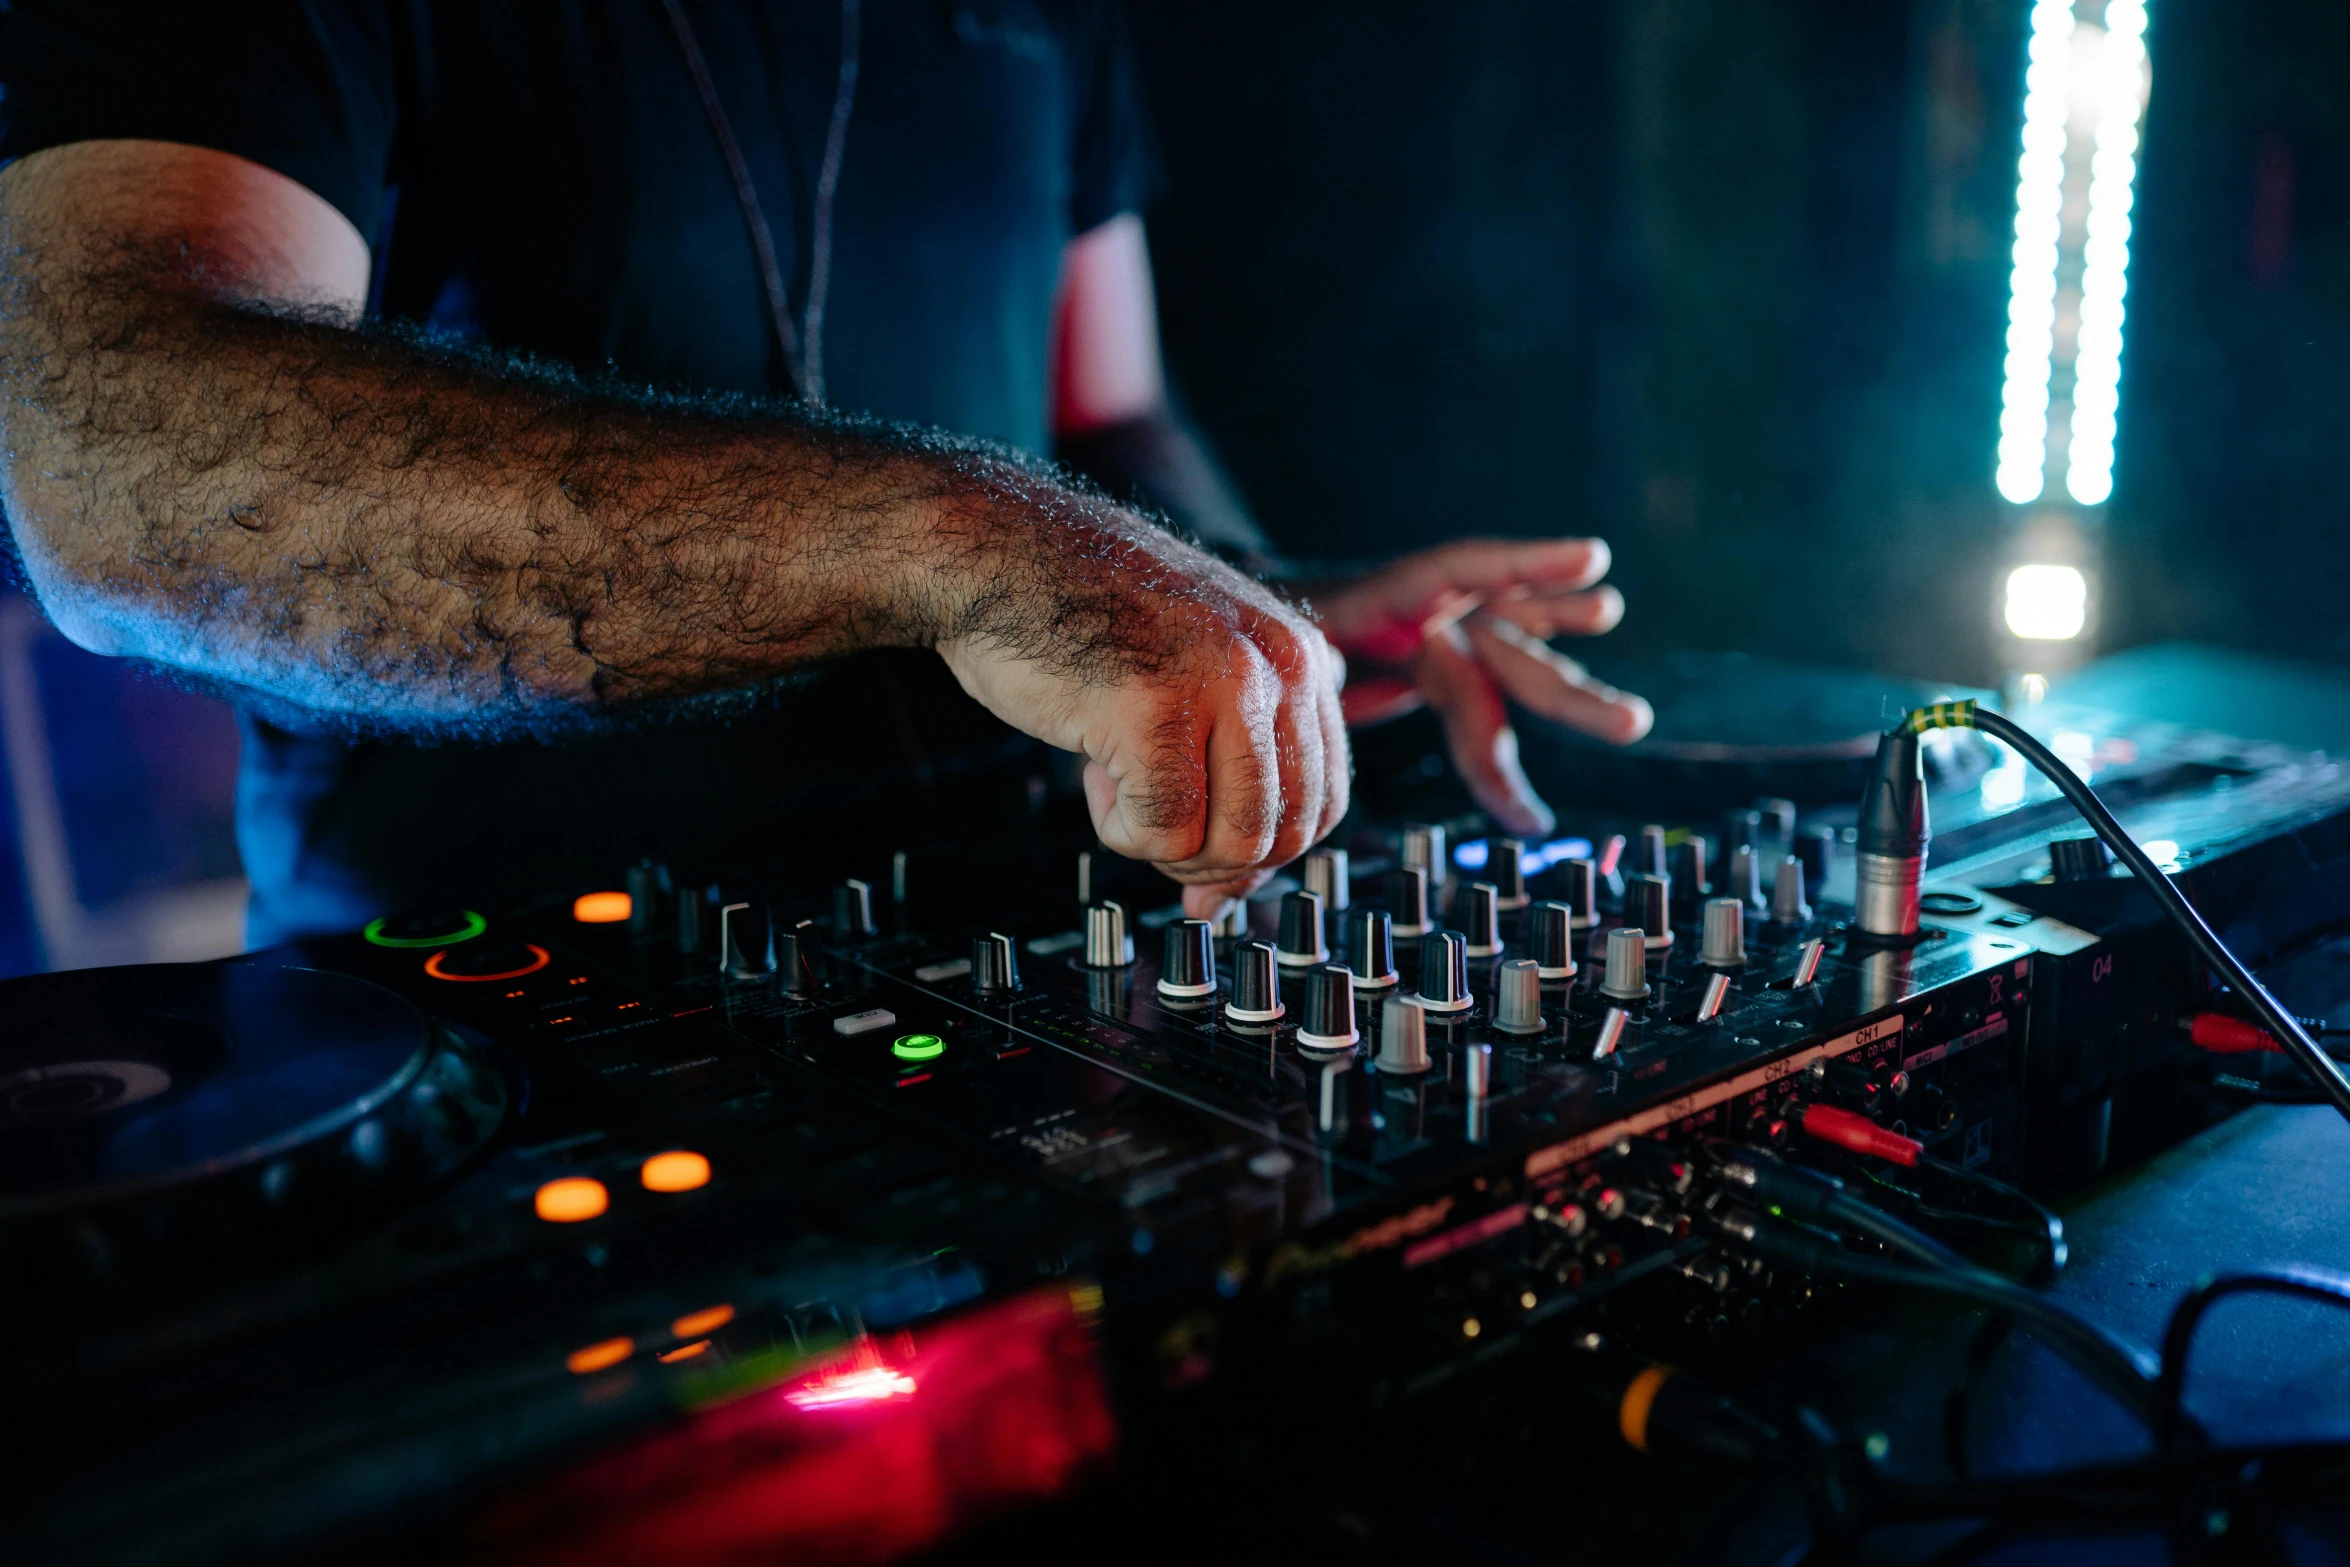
x=2047 y=603
x=572 y=1200
x=679 y=1170
x=601 y=908
x=918 y=1047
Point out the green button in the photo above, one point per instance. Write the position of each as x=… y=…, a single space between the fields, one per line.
x=429 y=930
x=918 y=1047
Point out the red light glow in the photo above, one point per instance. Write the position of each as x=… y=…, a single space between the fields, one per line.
x=850 y=1387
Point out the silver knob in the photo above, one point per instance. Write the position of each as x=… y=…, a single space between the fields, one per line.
x=1301 y=943
x=1626 y=976
x=1477 y=909
x=1403 y=1038
x=995 y=965
x=1787 y=903
x=1370 y=949
x=1517 y=1005
x=1324 y=873
x=1745 y=877
x=1444 y=972
x=1256 y=991
x=1407 y=901
x=1424 y=850
x=1477 y=1069
x=1725 y=934
x=1717 y=991
x=1807 y=964
x=1611 y=1033
x=1108 y=943
x=1084 y=878
x=1550 y=936
x=1232 y=923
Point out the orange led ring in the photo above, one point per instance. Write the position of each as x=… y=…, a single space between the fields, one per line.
x=538 y=960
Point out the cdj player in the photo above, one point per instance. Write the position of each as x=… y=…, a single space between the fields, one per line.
x=721 y=1217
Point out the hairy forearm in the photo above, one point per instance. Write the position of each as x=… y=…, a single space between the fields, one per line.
x=363 y=524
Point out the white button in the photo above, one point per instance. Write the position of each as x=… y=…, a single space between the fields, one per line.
x=864 y=1022
x=953 y=968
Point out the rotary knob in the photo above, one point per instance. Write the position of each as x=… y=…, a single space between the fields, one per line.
x=742 y=942
x=1626 y=976
x=647 y=883
x=1787 y=901
x=1517 y=1006
x=1187 y=965
x=1301 y=943
x=995 y=965
x=1689 y=869
x=1505 y=867
x=1370 y=949
x=1324 y=874
x=1815 y=846
x=1652 y=852
x=1648 y=905
x=1745 y=878
x=1778 y=819
x=1407 y=901
x=1329 y=1022
x=1582 y=894
x=1256 y=988
x=1108 y=943
x=1424 y=851
x=1444 y=972
x=795 y=959
x=1477 y=910
x=1725 y=934
x=1550 y=934
x=852 y=911
x=2079 y=859
x=1403 y=1038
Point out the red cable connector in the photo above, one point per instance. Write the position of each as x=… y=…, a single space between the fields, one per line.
x=1858 y=1134
x=2223 y=1035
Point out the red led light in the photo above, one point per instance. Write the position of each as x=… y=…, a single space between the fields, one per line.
x=866 y=1386
x=538 y=960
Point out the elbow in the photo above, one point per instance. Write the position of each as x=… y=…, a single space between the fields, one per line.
x=72 y=590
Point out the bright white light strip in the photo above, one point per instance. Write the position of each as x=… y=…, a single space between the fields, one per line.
x=2097 y=361
x=2031 y=287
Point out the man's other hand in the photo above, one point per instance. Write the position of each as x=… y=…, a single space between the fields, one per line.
x=1206 y=708
x=1464 y=628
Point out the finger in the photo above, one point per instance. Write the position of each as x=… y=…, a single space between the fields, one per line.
x=1244 y=781
x=1477 y=732
x=1375 y=701
x=1338 y=758
x=1545 y=681
x=1590 y=613
x=1436 y=586
x=1209 y=900
x=1296 y=659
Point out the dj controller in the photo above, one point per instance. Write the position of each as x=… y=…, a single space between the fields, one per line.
x=698 y=1218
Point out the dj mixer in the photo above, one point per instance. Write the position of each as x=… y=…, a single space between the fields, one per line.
x=692 y=1217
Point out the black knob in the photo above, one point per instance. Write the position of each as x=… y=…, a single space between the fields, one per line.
x=1581 y=895
x=1187 y=964
x=1688 y=868
x=648 y=884
x=743 y=951
x=852 y=911
x=689 y=920
x=1505 y=867
x=994 y=964
x=1740 y=830
x=1302 y=943
x=2079 y=859
x=796 y=958
x=1256 y=992
x=1329 y=1022
x=1778 y=818
x=1407 y=900
x=1476 y=909
x=1652 y=852
x=1370 y=949
x=1550 y=936
x=1444 y=971
x=1815 y=846
x=1648 y=907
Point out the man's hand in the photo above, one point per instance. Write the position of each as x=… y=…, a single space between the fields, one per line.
x=1464 y=628
x=1206 y=708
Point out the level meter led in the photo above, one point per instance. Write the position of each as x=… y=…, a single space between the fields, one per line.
x=918 y=1047
x=602 y=908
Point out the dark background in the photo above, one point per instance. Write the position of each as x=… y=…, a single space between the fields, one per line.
x=1723 y=282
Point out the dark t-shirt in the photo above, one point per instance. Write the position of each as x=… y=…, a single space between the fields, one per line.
x=541 y=173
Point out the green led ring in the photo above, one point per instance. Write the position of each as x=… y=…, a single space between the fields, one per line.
x=918 y=1047
x=474 y=926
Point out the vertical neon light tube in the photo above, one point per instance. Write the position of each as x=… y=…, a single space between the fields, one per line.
x=2039 y=228
x=2085 y=90
x=2120 y=87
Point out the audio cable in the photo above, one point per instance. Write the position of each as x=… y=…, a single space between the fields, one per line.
x=2324 y=1072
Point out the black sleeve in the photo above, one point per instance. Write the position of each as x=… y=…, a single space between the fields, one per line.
x=1114 y=162
x=304 y=87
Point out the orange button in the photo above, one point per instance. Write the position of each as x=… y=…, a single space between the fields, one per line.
x=601 y=908
x=697 y=1324
x=611 y=1352
x=679 y=1170
x=571 y=1200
